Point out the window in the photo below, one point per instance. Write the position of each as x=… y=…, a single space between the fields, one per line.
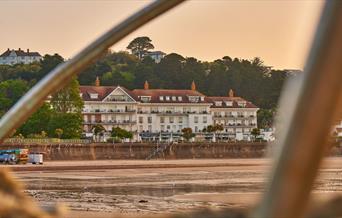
x=229 y=103
x=167 y=98
x=150 y=128
x=162 y=119
x=141 y=119
x=195 y=119
x=218 y=103
x=202 y=98
x=94 y=95
x=171 y=119
x=145 y=98
x=149 y=119
x=180 y=119
x=180 y=98
x=180 y=127
x=204 y=119
x=174 y=98
x=196 y=128
x=194 y=98
x=162 y=127
x=161 y=98
x=241 y=103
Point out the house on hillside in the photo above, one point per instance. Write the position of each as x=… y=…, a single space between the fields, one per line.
x=155 y=55
x=11 y=57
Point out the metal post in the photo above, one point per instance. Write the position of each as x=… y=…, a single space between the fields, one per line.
x=310 y=106
x=58 y=77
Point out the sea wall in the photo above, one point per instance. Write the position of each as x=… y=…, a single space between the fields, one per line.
x=101 y=151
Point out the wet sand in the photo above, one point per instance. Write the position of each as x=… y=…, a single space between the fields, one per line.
x=162 y=186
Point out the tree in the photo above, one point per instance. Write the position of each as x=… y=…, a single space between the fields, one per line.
x=10 y=92
x=68 y=99
x=255 y=133
x=67 y=106
x=98 y=130
x=187 y=134
x=70 y=123
x=140 y=46
x=59 y=132
x=119 y=133
x=38 y=121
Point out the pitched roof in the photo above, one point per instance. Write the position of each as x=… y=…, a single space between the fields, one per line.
x=102 y=91
x=156 y=93
x=19 y=53
x=235 y=101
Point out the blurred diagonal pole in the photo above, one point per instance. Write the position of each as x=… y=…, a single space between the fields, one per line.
x=60 y=76
x=311 y=113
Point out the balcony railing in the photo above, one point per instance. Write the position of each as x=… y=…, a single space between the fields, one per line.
x=114 y=122
x=107 y=111
x=173 y=112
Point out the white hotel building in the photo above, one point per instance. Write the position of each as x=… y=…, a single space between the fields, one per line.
x=161 y=114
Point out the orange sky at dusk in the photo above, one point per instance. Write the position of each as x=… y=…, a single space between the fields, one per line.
x=280 y=32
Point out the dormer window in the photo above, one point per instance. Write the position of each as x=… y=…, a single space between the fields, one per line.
x=241 y=103
x=81 y=95
x=167 y=98
x=161 y=98
x=174 y=98
x=94 y=96
x=194 y=98
x=218 y=103
x=229 y=103
x=180 y=98
x=202 y=98
x=145 y=98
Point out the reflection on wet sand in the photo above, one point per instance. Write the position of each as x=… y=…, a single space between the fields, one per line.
x=155 y=190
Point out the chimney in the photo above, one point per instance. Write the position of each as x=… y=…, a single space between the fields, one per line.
x=146 y=85
x=28 y=50
x=97 y=81
x=19 y=49
x=231 y=93
x=193 y=86
x=8 y=49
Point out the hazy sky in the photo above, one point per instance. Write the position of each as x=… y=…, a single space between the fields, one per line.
x=280 y=32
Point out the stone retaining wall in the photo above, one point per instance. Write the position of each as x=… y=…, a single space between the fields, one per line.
x=101 y=151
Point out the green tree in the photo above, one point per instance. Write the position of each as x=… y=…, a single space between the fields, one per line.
x=68 y=99
x=187 y=134
x=59 y=132
x=67 y=106
x=10 y=92
x=70 y=123
x=140 y=46
x=265 y=118
x=98 y=131
x=38 y=121
x=255 y=133
x=119 y=133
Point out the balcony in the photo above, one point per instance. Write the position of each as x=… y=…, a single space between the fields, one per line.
x=97 y=111
x=112 y=122
x=251 y=125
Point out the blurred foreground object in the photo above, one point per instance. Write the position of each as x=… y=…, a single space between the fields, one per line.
x=310 y=106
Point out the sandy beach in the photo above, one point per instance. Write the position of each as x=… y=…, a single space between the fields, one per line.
x=104 y=188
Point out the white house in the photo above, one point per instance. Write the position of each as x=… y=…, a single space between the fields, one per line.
x=11 y=57
x=156 y=55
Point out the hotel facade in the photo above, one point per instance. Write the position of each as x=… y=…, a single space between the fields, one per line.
x=161 y=114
